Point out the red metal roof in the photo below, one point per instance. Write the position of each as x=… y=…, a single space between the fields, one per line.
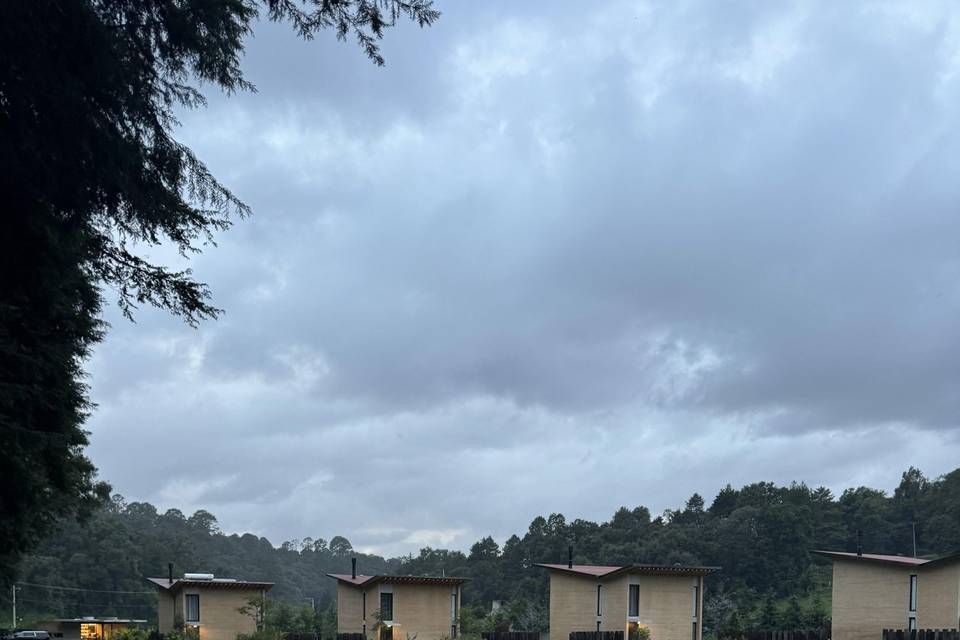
x=362 y=580
x=602 y=571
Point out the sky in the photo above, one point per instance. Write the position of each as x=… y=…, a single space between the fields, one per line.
x=558 y=257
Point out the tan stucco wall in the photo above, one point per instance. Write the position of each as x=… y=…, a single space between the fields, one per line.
x=421 y=610
x=350 y=609
x=938 y=597
x=666 y=606
x=165 y=612
x=615 y=602
x=573 y=604
x=219 y=615
x=869 y=597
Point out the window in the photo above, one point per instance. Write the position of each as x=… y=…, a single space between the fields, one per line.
x=364 y=605
x=598 y=626
x=599 y=600
x=453 y=615
x=386 y=606
x=913 y=593
x=696 y=601
x=694 y=634
x=634 y=605
x=193 y=607
x=911 y=623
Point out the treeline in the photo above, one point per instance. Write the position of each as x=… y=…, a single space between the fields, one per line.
x=761 y=534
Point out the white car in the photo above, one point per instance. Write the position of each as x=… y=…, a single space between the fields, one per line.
x=31 y=635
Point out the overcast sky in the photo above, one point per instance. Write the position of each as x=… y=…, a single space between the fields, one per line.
x=560 y=256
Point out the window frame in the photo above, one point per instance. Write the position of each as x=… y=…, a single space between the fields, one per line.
x=633 y=603
x=186 y=608
x=913 y=593
x=599 y=600
x=389 y=595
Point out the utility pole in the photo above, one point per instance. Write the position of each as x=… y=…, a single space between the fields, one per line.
x=14 y=590
x=914 y=525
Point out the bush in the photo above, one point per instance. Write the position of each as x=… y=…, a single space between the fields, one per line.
x=266 y=634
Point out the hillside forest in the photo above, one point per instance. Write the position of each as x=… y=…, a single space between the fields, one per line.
x=761 y=535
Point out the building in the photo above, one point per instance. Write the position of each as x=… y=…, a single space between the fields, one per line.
x=874 y=592
x=88 y=628
x=398 y=607
x=207 y=605
x=668 y=600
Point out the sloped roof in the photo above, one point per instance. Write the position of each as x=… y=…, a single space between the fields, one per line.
x=99 y=620
x=603 y=571
x=179 y=583
x=366 y=581
x=902 y=561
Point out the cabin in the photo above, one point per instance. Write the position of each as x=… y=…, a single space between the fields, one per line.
x=873 y=592
x=398 y=607
x=667 y=600
x=206 y=606
x=88 y=628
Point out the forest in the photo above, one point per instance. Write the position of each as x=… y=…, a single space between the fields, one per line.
x=761 y=535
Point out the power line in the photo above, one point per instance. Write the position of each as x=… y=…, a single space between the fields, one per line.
x=53 y=586
x=84 y=604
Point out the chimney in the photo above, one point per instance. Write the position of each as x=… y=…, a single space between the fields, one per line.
x=169 y=573
x=570 y=557
x=353 y=572
x=859 y=542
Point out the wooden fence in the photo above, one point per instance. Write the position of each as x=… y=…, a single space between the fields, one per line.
x=596 y=635
x=823 y=633
x=510 y=635
x=921 y=634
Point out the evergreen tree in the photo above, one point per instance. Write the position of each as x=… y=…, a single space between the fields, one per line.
x=90 y=172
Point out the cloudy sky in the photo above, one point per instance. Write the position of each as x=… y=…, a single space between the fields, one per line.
x=561 y=256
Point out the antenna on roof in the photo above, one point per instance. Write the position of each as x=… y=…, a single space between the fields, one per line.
x=570 y=556
x=353 y=573
x=859 y=542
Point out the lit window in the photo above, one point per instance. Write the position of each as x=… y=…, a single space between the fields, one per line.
x=193 y=607
x=634 y=600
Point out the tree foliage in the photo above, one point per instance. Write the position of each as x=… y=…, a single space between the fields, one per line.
x=761 y=535
x=91 y=175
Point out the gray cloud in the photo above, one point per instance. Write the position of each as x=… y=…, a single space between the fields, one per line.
x=672 y=235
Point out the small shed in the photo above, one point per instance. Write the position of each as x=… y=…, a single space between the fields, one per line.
x=88 y=628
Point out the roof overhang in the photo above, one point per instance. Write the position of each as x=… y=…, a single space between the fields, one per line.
x=369 y=581
x=235 y=585
x=874 y=558
x=97 y=621
x=595 y=571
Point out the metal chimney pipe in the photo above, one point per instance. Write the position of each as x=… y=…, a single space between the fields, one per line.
x=570 y=557
x=169 y=573
x=859 y=542
x=353 y=573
